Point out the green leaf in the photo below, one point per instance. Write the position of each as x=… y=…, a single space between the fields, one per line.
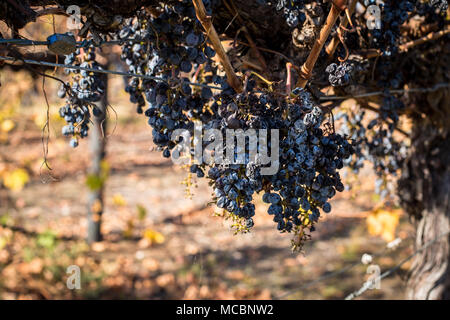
x=94 y=182
x=142 y=212
x=47 y=239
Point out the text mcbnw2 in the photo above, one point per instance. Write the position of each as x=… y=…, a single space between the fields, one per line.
x=226 y=309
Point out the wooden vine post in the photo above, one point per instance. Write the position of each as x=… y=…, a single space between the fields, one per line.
x=205 y=20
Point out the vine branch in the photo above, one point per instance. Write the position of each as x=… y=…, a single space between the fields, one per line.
x=331 y=48
x=374 y=53
x=205 y=20
x=428 y=37
x=307 y=67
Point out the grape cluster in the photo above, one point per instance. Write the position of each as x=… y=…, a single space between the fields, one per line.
x=374 y=141
x=172 y=47
x=392 y=14
x=441 y=5
x=235 y=183
x=339 y=74
x=84 y=89
x=234 y=189
x=170 y=109
x=163 y=46
x=309 y=164
x=292 y=11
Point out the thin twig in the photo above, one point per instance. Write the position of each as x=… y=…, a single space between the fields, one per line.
x=51 y=64
x=200 y=11
x=23 y=42
x=80 y=44
x=249 y=64
x=369 y=284
x=231 y=22
x=333 y=274
x=45 y=136
x=377 y=93
x=322 y=98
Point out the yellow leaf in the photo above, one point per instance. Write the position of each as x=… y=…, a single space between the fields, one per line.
x=128 y=232
x=383 y=222
x=3 y=242
x=154 y=236
x=119 y=200
x=8 y=125
x=40 y=119
x=16 y=179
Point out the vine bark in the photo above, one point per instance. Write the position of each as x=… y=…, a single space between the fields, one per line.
x=424 y=189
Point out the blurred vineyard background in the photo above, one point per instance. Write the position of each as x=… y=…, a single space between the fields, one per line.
x=161 y=238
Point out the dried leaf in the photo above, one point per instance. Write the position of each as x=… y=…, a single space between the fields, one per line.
x=16 y=179
x=154 y=236
x=383 y=223
x=119 y=200
x=7 y=125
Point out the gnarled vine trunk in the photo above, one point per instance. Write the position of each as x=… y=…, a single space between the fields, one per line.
x=424 y=189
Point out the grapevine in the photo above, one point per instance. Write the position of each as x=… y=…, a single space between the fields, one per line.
x=179 y=74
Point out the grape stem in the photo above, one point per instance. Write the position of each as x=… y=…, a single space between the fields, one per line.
x=288 y=78
x=269 y=83
x=205 y=20
x=307 y=67
x=197 y=72
x=331 y=48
